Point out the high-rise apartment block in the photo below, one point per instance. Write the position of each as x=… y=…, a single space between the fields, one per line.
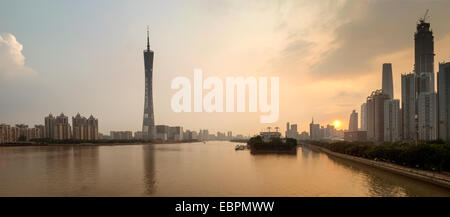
x=375 y=115
x=392 y=120
x=58 y=127
x=427 y=115
x=409 y=107
x=85 y=128
x=19 y=133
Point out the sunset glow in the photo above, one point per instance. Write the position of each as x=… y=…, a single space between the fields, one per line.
x=337 y=124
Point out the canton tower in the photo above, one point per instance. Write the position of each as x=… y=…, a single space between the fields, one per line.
x=148 y=124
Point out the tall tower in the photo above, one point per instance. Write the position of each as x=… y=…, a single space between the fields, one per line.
x=423 y=47
x=148 y=124
x=387 y=86
x=426 y=124
x=418 y=95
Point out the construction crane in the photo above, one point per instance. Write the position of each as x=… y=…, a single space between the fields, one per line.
x=425 y=16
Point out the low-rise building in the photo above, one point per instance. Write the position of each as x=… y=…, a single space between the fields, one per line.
x=162 y=132
x=121 y=135
x=175 y=133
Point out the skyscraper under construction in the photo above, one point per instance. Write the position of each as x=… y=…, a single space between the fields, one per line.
x=419 y=107
x=423 y=48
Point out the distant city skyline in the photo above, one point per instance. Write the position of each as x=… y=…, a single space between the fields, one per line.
x=77 y=58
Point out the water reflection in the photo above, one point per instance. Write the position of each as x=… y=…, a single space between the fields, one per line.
x=195 y=169
x=86 y=168
x=305 y=152
x=381 y=183
x=57 y=173
x=48 y=171
x=149 y=169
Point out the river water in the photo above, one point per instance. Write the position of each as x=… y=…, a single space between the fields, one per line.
x=192 y=169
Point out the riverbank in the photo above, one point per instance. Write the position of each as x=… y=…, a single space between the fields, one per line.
x=33 y=144
x=436 y=178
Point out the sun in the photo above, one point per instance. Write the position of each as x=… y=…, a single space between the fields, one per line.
x=337 y=123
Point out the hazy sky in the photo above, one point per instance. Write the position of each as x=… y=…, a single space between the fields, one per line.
x=86 y=56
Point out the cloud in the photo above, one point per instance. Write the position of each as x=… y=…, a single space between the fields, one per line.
x=12 y=61
x=348 y=37
x=384 y=28
x=297 y=47
x=347 y=94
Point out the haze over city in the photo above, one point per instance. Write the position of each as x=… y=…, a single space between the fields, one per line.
x=87 y=57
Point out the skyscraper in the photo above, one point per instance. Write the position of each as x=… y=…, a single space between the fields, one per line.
x=387 y=86
x=370 y=121
x=425 y=82
x=419 y=119
x=409 y=106
x=148 y=125
x=426 y=107
x=423 y=48
x=364 y=117
x=291 y=131
x=443 y=88
x=426 y=122
x=353 y=123
x=287 y=130
x=392 y=120
x=426 y=116
x=375 y=115
x=314 y=131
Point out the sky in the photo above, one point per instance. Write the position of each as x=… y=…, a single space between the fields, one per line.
x=86 y=56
